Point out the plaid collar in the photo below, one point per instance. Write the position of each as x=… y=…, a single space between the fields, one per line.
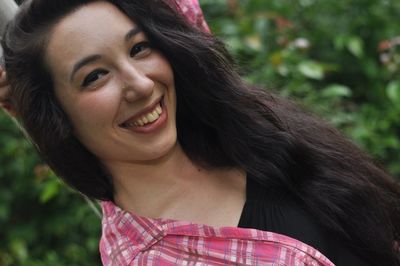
x=128 y=239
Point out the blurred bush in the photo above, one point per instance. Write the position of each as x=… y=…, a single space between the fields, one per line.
x=42 y=222
x=340 y=59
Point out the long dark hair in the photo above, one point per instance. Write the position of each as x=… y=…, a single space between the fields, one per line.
x=221 y=122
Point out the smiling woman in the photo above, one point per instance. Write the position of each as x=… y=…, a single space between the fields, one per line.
x=112 y=90
x=132 y=105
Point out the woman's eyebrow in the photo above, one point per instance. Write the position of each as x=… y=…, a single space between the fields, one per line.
x=89 y=59
x=84 y=61
x=132 y=33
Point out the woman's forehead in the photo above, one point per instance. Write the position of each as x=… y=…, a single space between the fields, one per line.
x=97 y=18
x=91 y=28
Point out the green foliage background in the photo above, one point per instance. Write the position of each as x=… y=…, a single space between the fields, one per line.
x=340 y=59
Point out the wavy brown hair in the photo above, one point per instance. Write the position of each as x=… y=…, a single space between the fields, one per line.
x=221 y=122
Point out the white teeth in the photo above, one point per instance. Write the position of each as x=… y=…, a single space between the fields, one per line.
x=148 y=118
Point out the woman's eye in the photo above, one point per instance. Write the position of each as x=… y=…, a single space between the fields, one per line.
x=93 y=76
x=140 y=48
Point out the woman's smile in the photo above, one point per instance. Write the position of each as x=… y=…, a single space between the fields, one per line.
x=149 y=120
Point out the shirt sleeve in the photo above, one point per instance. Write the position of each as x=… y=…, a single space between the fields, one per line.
x=192 y=11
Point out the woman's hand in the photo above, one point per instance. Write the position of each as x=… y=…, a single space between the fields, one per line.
x=5 y=102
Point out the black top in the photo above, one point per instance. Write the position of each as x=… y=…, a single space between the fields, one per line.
x=281 y=213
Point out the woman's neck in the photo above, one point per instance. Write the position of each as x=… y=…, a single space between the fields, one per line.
x=174 y=187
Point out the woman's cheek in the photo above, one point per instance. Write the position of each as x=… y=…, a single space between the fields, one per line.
x=96 y=108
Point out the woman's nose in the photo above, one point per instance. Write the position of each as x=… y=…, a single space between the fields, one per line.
x=136 y=85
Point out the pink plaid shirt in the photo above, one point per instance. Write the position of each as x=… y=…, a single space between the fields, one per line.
x=128 y=239
x=192 y=11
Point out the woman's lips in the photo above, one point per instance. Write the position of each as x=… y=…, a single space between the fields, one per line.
x=148 y=118
x=155 y=118
x=155 y=107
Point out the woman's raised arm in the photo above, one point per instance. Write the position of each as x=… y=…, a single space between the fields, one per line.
x=7 y=10
x=5 y=102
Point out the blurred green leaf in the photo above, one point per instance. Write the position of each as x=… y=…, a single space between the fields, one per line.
x=393 y=91
x=19 y=249
x=336 y=90
x=51 y=189
x=312 y=70
x=355 y=46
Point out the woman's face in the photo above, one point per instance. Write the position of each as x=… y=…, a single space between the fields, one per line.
x=117 y=91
